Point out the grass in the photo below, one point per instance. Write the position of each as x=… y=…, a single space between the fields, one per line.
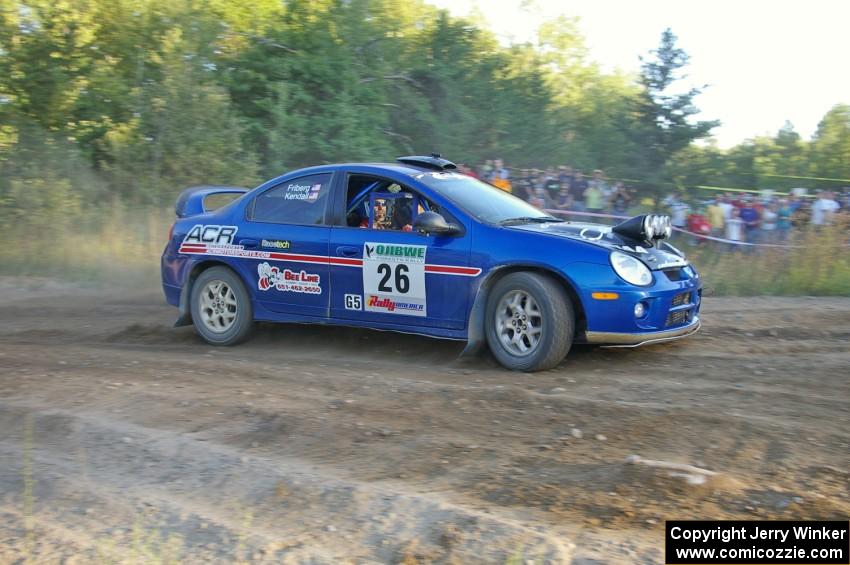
x=121 y=245
x=820 y=267
x=107 y=245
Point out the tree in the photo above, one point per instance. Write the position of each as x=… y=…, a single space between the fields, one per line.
x=185 y=132
x=662 y=124
x=830 y=146
x=134 y=99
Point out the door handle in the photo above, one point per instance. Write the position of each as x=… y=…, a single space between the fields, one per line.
x=347 y=251
x=249 y=242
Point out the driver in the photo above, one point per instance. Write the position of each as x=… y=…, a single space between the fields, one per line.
x=379 y=215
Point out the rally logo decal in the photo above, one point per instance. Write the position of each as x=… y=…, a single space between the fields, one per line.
x=391 y=306
x=286 y=280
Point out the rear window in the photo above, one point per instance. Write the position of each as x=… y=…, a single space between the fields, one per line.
x=298 y=201
x=219 y=200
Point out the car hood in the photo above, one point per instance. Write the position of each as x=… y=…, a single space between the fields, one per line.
x=663 y=257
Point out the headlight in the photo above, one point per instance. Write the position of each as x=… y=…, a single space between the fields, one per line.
x=630 y=269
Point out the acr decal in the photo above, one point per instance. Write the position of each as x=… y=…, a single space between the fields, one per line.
x=221 y=235
x=353 y=302
x=276 y=243
x=394 y=278
x=226 y=250
x=307 y=192
x=287 y=280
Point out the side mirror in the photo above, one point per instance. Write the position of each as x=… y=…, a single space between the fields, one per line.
x=433 y=223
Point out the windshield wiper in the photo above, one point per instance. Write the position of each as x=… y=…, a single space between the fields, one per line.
x=529 y=220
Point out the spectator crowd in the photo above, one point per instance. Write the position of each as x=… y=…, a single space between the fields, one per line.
x=740 y=216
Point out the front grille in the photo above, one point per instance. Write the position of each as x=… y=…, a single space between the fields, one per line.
x=678 y=318
x=681 y=298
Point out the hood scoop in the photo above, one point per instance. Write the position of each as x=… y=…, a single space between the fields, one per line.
x=651 y=228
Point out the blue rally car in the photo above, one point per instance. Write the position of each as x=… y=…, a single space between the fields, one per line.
x=417 y=247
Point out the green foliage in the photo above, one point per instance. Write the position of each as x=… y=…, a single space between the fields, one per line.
x=110 y=105
x=831 y=144
x=186 y=133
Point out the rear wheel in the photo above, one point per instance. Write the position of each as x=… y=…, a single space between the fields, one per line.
x=530 y=322
x=221 y=307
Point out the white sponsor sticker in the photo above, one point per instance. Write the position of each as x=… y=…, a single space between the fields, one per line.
x=353 y=302
x=394 y=278
x=308 y=192
x=287 y=280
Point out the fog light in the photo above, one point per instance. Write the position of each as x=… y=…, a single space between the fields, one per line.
x=640 y=310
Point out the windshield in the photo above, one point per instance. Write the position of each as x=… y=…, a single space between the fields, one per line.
x=480 y=200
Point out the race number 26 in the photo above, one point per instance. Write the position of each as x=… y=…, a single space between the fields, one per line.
x=399 y=277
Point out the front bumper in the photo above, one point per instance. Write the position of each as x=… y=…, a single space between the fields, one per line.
x=671 y=306
x=616 y=339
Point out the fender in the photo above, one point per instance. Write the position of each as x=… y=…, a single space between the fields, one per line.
x=476 y=340
x=184 y=317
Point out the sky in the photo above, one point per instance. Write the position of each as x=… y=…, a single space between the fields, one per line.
x=765 y=61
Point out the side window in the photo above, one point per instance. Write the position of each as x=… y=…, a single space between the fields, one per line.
x=298 y=201
x=381 y=204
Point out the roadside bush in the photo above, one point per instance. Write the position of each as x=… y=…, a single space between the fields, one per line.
x=820 y=266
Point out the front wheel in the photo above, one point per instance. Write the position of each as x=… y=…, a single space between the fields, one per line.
x=530 y=322
x=221 y=307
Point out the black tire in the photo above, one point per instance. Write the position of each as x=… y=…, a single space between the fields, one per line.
x=239 y=328
x=556 y=322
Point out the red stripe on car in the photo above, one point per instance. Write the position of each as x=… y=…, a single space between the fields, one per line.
x=200 y=249
x=449 y=270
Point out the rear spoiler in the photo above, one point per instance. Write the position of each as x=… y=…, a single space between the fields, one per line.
x=190 y=202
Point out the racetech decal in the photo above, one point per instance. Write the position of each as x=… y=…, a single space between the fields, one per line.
x=225 y=250
x=276 y=243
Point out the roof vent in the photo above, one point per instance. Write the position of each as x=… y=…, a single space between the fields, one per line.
x=434 y=161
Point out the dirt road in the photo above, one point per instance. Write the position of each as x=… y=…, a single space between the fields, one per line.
x=123 y=439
